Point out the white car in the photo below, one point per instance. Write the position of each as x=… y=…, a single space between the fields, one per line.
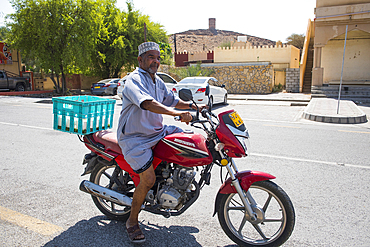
x=120 y=86
x=198 y=85
x=168 y=80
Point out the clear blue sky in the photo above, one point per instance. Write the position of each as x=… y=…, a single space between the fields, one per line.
x=269 y=19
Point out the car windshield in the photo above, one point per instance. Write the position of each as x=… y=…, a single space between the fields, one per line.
x=193 y=81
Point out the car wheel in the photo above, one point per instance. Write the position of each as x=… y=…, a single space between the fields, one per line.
x=115 y=91
x=20 y=87
x=225 y=99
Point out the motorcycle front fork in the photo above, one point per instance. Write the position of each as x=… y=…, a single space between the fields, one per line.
x=232 y=169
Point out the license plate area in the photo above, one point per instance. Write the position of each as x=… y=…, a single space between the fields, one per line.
x=234 y=116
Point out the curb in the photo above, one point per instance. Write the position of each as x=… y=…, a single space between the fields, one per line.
x=324 y=110
x=16 y=93
x=332 y=119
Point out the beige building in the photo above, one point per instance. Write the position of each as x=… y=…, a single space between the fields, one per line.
x=332 y=18
x=281 y=56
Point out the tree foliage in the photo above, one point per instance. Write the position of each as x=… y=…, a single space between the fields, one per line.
x=119 y=37
x=3 y=33
x=192 y=70
x=89 y=37
x=59 y=33
x=296 y=39
x=166 y=53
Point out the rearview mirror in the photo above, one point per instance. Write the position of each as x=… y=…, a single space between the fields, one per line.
x=185 y=94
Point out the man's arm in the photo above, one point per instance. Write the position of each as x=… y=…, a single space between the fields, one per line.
x=156 y=107
x=185 y=105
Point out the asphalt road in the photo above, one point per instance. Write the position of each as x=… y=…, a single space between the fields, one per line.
x=324 y=168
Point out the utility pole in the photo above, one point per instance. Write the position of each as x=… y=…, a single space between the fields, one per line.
x=144 y=31
x=174 y=42
x=341 y=74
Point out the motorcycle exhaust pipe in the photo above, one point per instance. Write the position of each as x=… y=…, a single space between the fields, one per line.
x=106 y=194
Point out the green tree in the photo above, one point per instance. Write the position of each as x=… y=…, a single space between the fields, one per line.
x=135 y=33
x=110 y=50
x=3 y=33
x=59 y=33
x=166 y=53
x=192 y=70
x=296 y=39
x=119 y=37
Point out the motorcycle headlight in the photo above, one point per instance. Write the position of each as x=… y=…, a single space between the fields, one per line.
x=245 y=143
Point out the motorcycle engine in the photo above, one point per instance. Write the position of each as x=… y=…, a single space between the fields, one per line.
x=172 y=195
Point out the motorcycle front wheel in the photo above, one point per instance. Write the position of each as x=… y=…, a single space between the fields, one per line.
x=112 y=177
x=274 y=211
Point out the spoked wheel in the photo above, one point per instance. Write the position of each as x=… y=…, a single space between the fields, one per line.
x=114 y=178
x=275 y=214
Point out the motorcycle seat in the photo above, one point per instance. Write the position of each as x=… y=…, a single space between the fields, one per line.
x=109 y=140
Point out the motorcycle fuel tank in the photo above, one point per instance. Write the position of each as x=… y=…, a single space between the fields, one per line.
x=183 y=149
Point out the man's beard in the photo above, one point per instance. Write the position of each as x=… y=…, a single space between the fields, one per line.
x=153 y=69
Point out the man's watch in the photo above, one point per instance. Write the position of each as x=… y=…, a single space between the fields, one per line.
x=190 y=105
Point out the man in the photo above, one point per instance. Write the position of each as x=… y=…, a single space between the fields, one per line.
x=145 y=98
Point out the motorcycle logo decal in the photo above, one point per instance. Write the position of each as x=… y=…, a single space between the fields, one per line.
x=186 y=151
x=185 y=142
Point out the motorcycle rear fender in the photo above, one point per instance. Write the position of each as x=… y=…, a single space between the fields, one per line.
x=246 y=179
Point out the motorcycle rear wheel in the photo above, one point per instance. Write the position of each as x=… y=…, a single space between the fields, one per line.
x=275 y=213
x=103 y=175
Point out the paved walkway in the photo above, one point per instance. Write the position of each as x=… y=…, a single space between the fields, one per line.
x=326 y=110
x=317 y=109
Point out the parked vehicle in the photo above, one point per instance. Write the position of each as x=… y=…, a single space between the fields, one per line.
x=198 y=86
x=105 y=87
x=120 y=86
x=11 y=81
x=168 y=80
x=252 y=210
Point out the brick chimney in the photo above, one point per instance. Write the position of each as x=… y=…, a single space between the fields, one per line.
x=212 y=23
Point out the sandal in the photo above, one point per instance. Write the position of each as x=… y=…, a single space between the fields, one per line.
x=133 y=232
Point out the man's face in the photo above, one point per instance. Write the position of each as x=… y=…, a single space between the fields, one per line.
x=150 y=61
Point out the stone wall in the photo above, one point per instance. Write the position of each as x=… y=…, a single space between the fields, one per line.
x=244 y=78
x=292 y=80
x=239 y=78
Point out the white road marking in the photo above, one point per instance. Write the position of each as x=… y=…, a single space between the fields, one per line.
x=308 y=160
x=256 y=154
x=26 y=126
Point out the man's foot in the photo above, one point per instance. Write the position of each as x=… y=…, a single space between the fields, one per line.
x=135 y=234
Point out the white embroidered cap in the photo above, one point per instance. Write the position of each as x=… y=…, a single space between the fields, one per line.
x=148 y=46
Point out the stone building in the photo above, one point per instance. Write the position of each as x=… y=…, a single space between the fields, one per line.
x=244 y=63
x=208 y=39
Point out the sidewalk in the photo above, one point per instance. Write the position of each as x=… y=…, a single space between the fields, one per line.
x=17 y=93
x=317 y=109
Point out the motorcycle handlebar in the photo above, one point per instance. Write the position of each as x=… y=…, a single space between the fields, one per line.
x=194 y=118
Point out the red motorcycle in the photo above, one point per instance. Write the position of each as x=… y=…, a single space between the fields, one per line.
x=252 y=210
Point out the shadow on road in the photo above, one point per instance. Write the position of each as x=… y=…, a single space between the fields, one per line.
x=100 y=231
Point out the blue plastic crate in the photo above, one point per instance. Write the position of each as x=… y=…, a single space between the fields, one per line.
x=83 y=114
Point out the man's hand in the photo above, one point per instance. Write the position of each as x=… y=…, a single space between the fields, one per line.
x=186 y=117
